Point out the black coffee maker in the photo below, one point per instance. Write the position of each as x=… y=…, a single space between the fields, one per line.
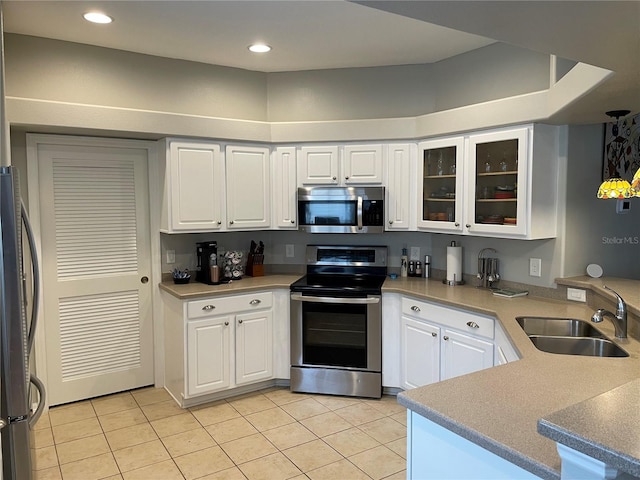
x=207 y=269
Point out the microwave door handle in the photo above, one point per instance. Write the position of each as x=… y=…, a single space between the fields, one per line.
x=359 y=213
x=353 y=301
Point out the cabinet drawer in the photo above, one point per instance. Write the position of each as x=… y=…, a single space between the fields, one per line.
x=233 y=304
x=464 y=321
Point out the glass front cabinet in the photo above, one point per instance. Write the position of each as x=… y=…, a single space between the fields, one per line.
x=498 y=183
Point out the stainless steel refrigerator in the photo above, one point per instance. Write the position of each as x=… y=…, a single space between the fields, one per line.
x=18 y=314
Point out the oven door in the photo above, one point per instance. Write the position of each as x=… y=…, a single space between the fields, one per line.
x=336 y=332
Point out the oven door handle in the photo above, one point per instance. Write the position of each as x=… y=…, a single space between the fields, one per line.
x=353 y=301
x=359 y=213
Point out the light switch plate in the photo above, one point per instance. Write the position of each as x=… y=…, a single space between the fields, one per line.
x=171 y=256
x=290 y=250
x=576 y=294
x=535 y=267
x=415 y=253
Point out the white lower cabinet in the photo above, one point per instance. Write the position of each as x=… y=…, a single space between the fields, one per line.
x=438 y=343
x=218 y=343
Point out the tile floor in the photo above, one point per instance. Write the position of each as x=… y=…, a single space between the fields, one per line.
x=271 y=434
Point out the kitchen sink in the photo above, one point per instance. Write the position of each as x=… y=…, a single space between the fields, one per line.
x=563 y=327
x=593 y=347
x=568 y=336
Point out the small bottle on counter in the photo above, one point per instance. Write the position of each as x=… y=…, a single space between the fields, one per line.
x=418 y=268
x=427 y=266
x=412 y=268
x=404 y=263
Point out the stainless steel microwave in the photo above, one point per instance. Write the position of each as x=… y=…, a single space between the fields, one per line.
x=341 y=209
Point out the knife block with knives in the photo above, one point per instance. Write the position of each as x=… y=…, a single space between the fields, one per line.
x=255 y=260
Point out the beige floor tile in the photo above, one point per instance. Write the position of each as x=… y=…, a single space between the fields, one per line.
x=41 y=438
x=268 y=419
x=399 y=446
x=43 y=422
x=306 y=408
x=165 y=427
x=216 y=413
x=166 y=470
x=76 y=430
x=401 y=475
x=248 y=404
x=388 y=405
x=384 y=430
x=203 y=462
x=289 y=436
x=248 y=448
x=147 y=396
x=52 y=473
x=282 y=396
x=326 y=424
x=130 y=436
x=91 y=468
x=400 y=418
x=342 y=469
x=142 y=455
x=125 y=418
x=113 y=403
x=83 y=448
x=232 y=473
x=44 y=458
x=334 y=403
x=302 y=476
x=73 y=412
x=156 y=411
x=231 y=430
x=359 y=413
x=378 y=462
x=272 y=467
x=188 y=442
x=312 y=455
x=113 y=477
x=350 y=442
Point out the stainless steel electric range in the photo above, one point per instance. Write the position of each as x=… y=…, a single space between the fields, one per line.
x=336 y=321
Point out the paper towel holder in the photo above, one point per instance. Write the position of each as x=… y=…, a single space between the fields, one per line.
x=455 y=281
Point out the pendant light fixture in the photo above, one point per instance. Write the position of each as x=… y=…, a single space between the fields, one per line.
x=616 y=187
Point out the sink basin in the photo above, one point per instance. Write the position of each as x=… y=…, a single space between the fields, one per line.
x=594 y=347
x=562 y=327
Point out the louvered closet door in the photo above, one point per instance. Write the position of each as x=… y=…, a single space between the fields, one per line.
x=96 y=263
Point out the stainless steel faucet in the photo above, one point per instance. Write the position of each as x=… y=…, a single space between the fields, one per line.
x=619 y=319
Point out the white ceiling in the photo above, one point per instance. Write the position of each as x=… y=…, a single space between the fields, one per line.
x=308 y=35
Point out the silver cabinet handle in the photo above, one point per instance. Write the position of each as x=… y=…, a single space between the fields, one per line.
x=230 y=222
x=390 y=222
x=434 y=334
x=346 y=178
x=219 y=222
x=351 y=301
x=208 y=308
x=293 y=221
x=255 y=301
x=468 y=226
x=3 y=423
x=457 y=224
x=334 y=178
x=415 y=308
x=473 y=325
x=226 y=324
x=445 y=337
x=239 y=321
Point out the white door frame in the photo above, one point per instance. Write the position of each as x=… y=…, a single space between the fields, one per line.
x=155 y=199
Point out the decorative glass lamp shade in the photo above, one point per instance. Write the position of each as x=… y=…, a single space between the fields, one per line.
x=615 y=188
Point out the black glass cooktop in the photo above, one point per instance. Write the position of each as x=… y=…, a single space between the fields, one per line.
x=339 y=285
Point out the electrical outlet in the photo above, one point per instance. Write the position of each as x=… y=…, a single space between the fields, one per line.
x=290 y=250
x=415 y=253
x=171 y=256
x=576 y=294
x=535 y=267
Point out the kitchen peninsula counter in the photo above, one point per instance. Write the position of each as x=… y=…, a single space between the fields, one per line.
x=499 y=408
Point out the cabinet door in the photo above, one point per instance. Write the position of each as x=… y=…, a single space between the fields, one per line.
x=462 y=354
x=208 y=342
x=398 y=191
x=362 y=164
x=318 y=166
x=284 y=188
x=420 y=350
x=440 y=184
x=254 y=346
x=248 y=187
x=497 y=176
x=196 y=184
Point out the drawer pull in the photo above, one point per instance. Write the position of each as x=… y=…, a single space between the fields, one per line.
x=445 y=337
x=208 y=308
x=226 y=324
x=473 y=325
x=255 y=301
x=239 y=321
x=434 y=334
x=415 y=308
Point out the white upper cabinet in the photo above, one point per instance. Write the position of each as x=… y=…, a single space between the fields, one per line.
x=248 y=188
x=284 y=188
x=333 y=165
x=400 y=168
x=499 y=183
x=194 y=186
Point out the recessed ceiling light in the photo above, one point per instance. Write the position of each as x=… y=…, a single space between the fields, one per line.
x=259 y=48
x=97 y=17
